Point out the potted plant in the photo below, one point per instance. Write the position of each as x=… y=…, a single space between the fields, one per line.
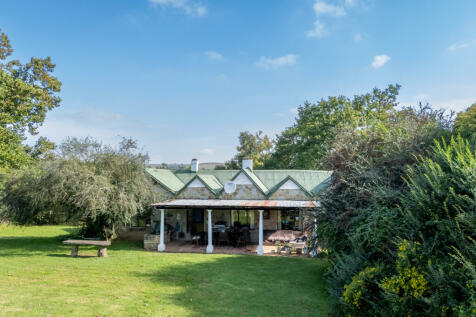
x=278 y=246
x=287 y=248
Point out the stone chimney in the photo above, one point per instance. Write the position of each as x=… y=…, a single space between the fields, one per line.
x=247 y=163
x=194 y=165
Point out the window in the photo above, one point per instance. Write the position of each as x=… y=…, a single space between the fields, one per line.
x=290 y=220
x=244 y=217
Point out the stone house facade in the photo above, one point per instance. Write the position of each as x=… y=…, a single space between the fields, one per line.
x=246 y=197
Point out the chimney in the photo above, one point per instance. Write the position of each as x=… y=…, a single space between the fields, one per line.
x=194 y=165
x=247 y=163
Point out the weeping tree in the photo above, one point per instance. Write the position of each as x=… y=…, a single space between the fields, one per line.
x=96 y=186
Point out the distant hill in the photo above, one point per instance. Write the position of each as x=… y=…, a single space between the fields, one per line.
x=177 y=166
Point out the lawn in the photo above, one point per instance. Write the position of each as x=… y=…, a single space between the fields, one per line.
x=38 y=278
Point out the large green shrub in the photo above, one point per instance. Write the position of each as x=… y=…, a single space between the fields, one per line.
x=413 y=252
x=94 y=185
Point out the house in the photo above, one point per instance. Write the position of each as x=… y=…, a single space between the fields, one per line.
x=197 y=201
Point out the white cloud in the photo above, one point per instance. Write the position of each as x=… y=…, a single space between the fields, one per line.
x=294 y=111
x=213 y=55
x=321 y=8
x=195 y=9
x=286 y=60
x=380 y=60
x=461 y=45
x=319 y=30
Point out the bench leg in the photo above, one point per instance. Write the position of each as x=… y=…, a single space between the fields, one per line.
x=74 y=251
x=102 y=252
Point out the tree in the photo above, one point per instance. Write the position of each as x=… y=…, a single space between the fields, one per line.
x=306 y=143
x=101 y=189
x=28 y=92
x=383 y=242
x=465 y=123
x=253 y=146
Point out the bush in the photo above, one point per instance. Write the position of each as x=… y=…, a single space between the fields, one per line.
x=100 y=189
x=427 y=263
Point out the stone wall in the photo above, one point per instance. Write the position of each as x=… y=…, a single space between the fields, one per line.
x=274 y=221
x=172 y=216
x=196 y=193
x=289 y=194
x=244 y=192
x=164 y=193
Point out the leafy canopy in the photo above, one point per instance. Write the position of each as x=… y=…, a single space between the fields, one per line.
x=306 y=143
x=28 y=91
x=256 y=146
x=465 y=123
x=101 y=187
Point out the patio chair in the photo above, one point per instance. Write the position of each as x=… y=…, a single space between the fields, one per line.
x=241 y=240
x=223 y=238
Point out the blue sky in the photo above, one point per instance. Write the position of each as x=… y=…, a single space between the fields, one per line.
x=184 y=77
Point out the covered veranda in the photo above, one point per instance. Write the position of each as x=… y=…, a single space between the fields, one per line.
x=209 y=205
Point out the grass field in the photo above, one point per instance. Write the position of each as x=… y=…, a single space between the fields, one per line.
x=38 y=278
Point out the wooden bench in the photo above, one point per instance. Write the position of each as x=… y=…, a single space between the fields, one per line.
x=102 y=246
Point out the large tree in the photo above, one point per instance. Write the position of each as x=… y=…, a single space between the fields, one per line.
x=27 y=92
x=465 y=123
x=306 y=143
x=252 y=146
x=99 y=187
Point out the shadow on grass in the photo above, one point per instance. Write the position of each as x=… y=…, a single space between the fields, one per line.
x=244 y=285
x=30 y=245
x=61 y=255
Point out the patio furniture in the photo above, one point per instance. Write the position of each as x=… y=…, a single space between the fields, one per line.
x=282 y=235
x=223 y=238
x=203 y=238
x=102 y=246
x=196 y=240
x=241 y=240
x=245 y=232
x=298 y=246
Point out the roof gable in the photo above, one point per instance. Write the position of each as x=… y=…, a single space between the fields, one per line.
x=267 y=181
x=253 y=178
x=208 y=181
x=166 y=178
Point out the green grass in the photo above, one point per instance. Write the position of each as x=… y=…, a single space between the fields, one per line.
x=38 y=278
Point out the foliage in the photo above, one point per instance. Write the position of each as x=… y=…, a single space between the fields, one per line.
x=28 y=92
x=252 y=146
x=306 y=143
x=101 y=189
x=465 y=123
x=368 y=165
x=418 y=231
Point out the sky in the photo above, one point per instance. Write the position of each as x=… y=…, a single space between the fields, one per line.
x=184 y=77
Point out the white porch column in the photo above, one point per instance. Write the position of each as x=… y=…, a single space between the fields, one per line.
x=210 y=238
x=260 y=250
x=161 y=246
x=314 y=239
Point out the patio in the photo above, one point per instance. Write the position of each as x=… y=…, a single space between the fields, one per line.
x=269 y=249
x=215 y=224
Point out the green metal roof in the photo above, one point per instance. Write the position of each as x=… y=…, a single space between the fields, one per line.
x=166 y=178
x=211 y=182
x=254 y=179
x=267 y=181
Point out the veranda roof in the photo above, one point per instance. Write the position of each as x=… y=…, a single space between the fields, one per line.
x=235 y=204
